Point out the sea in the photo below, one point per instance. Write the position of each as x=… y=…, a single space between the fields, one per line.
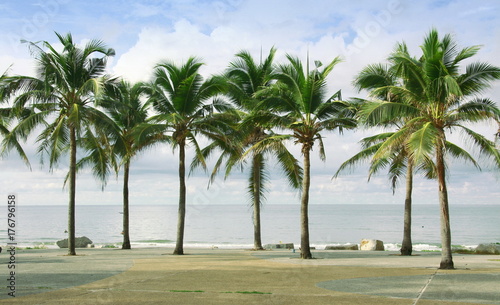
x=231 y=226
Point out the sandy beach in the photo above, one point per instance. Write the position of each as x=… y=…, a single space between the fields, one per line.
x=215 y=276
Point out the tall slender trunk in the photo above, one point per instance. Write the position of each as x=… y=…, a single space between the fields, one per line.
x=126 y=224
x=257 y=242
x=305 y=249
x=72 y=191
x=179 y=248
x=446 y=258
x=407 y=247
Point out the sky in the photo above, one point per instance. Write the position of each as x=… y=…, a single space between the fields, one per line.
x=144 y=33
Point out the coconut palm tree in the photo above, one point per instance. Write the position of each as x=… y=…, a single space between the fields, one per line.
x=297 y=102
x=123 y=102
x=244 y=78
x=180 y=97
x=64 y=91
x=377 y=78
x=437 y=97
x=399 y=165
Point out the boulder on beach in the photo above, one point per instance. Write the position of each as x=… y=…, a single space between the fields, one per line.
x=371 y=245
x=342 y=247
x=279 y=246
x=488 y=249
x=80 y=242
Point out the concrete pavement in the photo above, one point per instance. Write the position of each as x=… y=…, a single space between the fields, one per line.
x=205 y=276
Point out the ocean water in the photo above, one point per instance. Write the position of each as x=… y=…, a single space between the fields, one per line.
x=230 y=226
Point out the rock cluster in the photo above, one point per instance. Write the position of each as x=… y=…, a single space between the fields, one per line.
x=488 y=249
x=279 y=246
x=371 y=245
x=80 y=242
x=342 y=247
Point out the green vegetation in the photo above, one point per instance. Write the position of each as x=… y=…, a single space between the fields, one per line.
x=243 y=80
x=122 y=102
x=35 y=248
x=109 y=246
x=436 y=95
x=252 y=112
x=243 y=292
x=62 y=99
x=298 y=104
x=248 y=292
x=253 y=292
x=464 y=251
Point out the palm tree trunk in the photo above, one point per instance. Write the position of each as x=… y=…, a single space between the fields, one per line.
x=446 y=258
x=179 y=248
x=305 y=249
x=72 y=191
x=406 y=247
x=126 y=224
x=257 y=242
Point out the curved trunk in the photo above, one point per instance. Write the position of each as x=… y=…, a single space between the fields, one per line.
x=72 y=191
x=446 y=258
x=257 y=242
x=179 y=248
x=305 y=250
x=407 y=247
x=126 y=224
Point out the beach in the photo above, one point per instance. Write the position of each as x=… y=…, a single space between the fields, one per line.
x=239 y=276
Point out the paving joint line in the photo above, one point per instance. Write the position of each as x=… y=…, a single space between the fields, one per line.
x=422 y=291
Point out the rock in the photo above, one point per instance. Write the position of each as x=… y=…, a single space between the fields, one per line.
x=279 y=246
x=80 y=242
x=342 y=247
x=371 y=245
x=488 y=249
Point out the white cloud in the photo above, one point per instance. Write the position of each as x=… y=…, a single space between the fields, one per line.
x=145 y=32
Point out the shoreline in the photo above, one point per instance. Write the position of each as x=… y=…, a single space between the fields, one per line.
x=417 y=247
x=231 y=276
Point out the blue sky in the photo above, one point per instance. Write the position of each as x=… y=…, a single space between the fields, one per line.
x=145 y=32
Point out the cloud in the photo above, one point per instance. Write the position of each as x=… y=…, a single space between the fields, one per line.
x=146 y=32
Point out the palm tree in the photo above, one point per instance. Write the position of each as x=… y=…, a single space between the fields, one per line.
x=7 y=115
x=397 y=161
x=297 y=102
x=244 y=78
x=123 y=104
x=438 y=97
x=377 y=78
x=179 y=97
x=64 y=90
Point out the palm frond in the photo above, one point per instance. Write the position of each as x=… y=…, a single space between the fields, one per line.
x=486 y=147
x=257 y=179
x=422 y=142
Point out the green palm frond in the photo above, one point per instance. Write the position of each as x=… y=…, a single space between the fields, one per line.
x=257 y=186
x=10 y=140
x=477 y=77
x=398 y=168
x=422 y=142
x=375 y=77
x=359 y=158
x=460 y=153
x=486 y=147
x=475 y=110
x=385 y=113
x=268 y=143
x=290 y=166
x=375 y=139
